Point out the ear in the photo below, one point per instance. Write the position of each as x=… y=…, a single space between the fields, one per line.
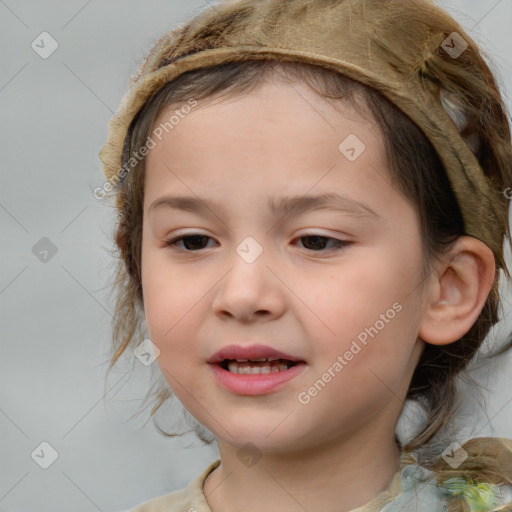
x=457 y=291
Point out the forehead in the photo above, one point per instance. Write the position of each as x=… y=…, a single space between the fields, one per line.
x=273 y=98
x=280 y=135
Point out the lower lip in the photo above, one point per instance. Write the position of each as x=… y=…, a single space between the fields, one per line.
x=258 y=384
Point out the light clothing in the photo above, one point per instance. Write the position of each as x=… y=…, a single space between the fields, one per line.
x=412 y=489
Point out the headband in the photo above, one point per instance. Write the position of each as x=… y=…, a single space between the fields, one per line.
x=360 y=39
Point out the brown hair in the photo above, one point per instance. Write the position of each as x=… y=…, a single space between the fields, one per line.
x=416 y=170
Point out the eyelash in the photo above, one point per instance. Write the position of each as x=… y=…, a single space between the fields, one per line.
x=339 y=244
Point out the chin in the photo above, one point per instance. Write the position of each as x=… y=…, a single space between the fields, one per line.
x=262 y=436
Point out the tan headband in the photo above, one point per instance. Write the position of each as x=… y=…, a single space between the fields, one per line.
x=358 y=38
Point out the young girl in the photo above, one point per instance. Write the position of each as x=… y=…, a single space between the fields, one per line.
x=345 y=165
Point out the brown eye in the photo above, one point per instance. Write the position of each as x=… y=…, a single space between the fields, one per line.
x=317 y=242
x=192 y=243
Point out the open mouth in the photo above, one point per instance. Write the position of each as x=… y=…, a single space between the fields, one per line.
x=256 y=366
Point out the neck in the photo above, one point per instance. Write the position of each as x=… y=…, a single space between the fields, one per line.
x=350 y=470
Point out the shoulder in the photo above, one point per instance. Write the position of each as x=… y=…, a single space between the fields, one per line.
x=189 y=499
x=474 y=476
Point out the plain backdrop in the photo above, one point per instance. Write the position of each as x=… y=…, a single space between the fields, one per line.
x=55 y=242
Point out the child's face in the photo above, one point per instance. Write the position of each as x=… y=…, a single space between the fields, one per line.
x=302 y=295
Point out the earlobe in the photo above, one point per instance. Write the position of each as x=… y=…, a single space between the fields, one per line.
x=457 y=291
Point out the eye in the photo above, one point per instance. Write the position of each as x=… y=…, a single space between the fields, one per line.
x=318 y=242
x=189 y=240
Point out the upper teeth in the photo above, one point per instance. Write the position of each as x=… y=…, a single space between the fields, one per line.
x=241 y=367
x=261 y=359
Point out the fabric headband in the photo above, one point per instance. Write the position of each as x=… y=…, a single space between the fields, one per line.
x=360 y=39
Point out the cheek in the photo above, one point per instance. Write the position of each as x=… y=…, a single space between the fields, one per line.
x=172 y=326
x=358 y=291
x=364 y=309
x=168 y=299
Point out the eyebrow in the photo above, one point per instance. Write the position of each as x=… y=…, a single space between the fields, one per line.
x=278 y=206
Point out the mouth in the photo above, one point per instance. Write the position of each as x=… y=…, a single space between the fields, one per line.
x=253 y=377
x=255 y=369
x=256 y=366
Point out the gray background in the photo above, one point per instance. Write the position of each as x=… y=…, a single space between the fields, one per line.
x=55 y=315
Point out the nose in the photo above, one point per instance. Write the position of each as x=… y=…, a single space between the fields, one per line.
x=250 y=291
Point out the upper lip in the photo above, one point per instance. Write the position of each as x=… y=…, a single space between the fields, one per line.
x=249 y=352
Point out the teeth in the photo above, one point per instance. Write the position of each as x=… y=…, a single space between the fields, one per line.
x=260 y=360
x=248 y=369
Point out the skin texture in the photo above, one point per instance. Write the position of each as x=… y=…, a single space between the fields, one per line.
x=299 y=296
